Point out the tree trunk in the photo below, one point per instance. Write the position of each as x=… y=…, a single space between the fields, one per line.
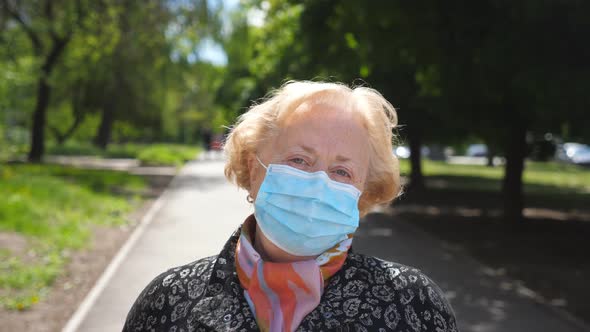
x=416 y=177
x=512 y=182
x=491 y=155
x=105 y=129
x=39 y=119
x=43 y=95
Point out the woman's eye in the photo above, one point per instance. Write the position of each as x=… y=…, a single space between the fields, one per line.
x=298 y=161
x=341 y=172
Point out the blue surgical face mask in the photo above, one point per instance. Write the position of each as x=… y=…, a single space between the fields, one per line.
x=305 y=213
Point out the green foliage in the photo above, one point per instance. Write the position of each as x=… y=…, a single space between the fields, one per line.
x=16 y=86
x=277 y=54
x=136 y=61
x=148 y=154
x=262 y=57
x=74 y=148
x=12 y=151
x=26 y=283
x=31 y=195
x=167 y=154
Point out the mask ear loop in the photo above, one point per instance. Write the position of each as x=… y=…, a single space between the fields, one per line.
x=249 y=198
x=265 y=167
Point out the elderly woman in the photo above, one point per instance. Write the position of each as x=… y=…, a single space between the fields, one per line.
x=314 y=158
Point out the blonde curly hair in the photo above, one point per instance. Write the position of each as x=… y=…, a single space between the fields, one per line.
x=262 y=121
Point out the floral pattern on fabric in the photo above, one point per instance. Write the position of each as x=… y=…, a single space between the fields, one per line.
x=366 y=294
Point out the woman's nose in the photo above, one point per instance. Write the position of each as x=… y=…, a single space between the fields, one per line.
x=319 y=166
x=323 y=167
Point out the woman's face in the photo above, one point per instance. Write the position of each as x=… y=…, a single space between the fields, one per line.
x=317 y=138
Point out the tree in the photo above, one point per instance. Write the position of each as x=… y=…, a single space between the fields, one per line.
x=49 y=28
x=351 y=39
x=261 y=57
x=485 y=68
x=511 y=60
x=155 y=44
x=78 y=113
x=120 y=59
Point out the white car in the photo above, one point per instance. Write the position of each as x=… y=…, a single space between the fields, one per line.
x=403 y=152
x=477 y=150
x=575 y=153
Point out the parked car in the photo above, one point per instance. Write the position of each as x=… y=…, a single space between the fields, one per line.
x=477 y=150
x=217 y=142
x=403 y=152
x=575 y=153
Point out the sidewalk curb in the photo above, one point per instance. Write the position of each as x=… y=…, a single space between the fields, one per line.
x=84 y=307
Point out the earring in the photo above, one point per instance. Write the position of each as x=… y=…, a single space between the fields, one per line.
x=249 y=199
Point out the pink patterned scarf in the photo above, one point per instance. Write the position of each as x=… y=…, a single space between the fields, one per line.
x=281 y=294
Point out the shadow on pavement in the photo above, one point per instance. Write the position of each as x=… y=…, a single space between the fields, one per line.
x=484 y=298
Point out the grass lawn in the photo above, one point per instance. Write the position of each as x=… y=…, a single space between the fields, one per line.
x=52 y=210
x=159 y=154
x=538 y=176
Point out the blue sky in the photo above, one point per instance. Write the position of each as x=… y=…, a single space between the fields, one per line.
x=209 y=50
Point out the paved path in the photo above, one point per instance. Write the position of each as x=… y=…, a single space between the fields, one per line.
x=201 y=210
x=483 y=300
x=199 y=214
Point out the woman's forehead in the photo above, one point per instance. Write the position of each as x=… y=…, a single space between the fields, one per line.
x=322 y=128
x=316 y=113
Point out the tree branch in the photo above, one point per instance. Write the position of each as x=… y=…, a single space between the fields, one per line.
x=56 y=49
x=16 y=15
x=56 y=133
x=48 y=11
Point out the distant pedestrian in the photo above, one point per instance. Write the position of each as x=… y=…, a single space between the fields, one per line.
x=314 y=158
x=207 y=137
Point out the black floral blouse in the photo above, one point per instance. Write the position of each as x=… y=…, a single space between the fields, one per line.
x=367 y=294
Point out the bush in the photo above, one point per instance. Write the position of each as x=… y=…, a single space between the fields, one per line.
x=148 y=154
x=167 y=154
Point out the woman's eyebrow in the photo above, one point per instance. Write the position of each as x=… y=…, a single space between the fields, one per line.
x=311 y=150
x=307 y=149
x=342 y=158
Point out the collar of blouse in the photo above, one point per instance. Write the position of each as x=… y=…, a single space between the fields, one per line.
x=223 y=304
